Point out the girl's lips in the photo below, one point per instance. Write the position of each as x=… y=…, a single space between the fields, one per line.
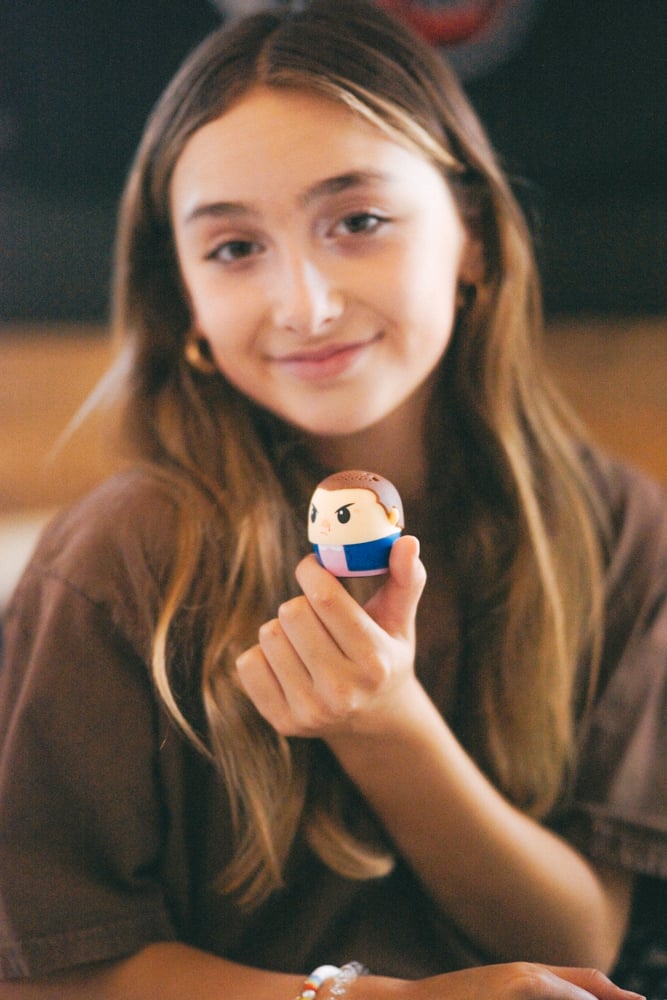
x=327 y=363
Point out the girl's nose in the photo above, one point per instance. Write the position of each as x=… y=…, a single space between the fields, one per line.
x=325 y=526
x=306 y=301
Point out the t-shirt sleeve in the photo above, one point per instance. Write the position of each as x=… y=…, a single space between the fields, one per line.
x=619 y=812
x=81 y=811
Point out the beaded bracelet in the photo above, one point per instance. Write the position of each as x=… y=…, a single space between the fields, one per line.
x=345 y=976
x=341 y=979
x=313 y=982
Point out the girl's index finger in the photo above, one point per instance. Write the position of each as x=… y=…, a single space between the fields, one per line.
x=350 y=627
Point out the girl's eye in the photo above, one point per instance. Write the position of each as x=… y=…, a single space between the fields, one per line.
x=362 y=222
x=234 y=250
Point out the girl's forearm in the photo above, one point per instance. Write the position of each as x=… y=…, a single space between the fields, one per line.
x=510 y=884
x=164 y=971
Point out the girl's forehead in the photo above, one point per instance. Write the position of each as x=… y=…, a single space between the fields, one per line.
x=303 y=101
x=277 y=124
x=275 y=147
x=275 y=113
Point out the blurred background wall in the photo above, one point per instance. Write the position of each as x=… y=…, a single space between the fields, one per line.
x=573 y=95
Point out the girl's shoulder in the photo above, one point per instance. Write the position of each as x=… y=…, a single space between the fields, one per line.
x=635 y=579
x=635 y=505
x=111 y=551
x=621 y=788
x=129 y=516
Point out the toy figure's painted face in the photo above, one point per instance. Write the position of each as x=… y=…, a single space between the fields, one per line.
x=353 y=521
x=347 y=516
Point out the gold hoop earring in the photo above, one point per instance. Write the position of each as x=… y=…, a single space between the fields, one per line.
x=197 y=353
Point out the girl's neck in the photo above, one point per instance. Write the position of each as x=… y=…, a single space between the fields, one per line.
x=394 y=448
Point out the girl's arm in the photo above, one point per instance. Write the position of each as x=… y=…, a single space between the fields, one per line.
x=165 y=971
x=512 y=885
x=326 y=667
x=178 y=972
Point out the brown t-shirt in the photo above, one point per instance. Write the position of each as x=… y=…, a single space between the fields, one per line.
x=112 y=829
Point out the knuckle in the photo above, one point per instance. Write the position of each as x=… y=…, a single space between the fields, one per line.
x=325 y=596
x=290 y=610
x=341 y=700
x=378 y=672
x=316 y=718
x=596 y=978
x=333 y=703
x=244 y=660
x=269 y=630
x=528 y=980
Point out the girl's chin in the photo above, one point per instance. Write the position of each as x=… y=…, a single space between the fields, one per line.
x=328 y=429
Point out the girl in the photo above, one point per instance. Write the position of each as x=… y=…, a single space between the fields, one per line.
x=216 y=776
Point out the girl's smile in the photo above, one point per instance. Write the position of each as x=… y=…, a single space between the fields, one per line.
x=321 y=259
x=327 y=362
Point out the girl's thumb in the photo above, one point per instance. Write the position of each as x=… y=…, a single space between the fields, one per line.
x=394 y=606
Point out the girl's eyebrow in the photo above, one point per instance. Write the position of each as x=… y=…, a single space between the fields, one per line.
x=342 y=182
x=328 y=186
x=217 y=210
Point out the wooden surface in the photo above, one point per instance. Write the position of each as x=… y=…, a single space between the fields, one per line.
x=45 y=376
x=615 y=375
x=614 y=372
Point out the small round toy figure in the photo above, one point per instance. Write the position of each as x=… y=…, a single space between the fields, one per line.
x=354 y=519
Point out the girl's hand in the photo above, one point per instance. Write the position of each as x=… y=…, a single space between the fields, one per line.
x=513 y=981
x=325 y=664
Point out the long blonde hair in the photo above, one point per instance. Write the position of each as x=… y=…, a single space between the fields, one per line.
x=520 y=508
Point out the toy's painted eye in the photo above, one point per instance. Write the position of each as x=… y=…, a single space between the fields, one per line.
x=343 y=514
x=313 y=514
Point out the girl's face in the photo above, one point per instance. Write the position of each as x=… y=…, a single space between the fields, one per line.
x=321 y=260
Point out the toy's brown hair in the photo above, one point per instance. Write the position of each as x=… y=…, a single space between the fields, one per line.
x=356 y=479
